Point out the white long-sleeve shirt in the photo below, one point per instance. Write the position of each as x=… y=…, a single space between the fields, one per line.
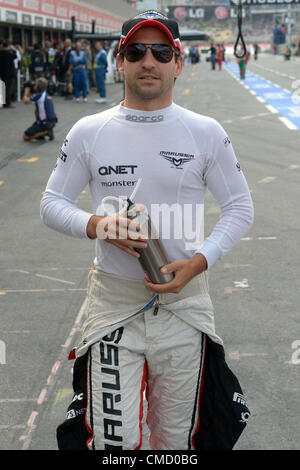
x=178 y=154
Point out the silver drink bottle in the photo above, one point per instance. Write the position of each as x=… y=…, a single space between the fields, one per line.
x=152 y=258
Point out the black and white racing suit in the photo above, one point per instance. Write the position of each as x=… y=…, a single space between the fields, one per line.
x=131 y=337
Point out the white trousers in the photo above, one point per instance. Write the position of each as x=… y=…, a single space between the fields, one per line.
x=157 y=353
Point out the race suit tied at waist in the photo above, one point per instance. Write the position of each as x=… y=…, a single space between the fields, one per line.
x=113 y=301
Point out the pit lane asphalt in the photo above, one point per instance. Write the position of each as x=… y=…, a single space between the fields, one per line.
x=43 y=274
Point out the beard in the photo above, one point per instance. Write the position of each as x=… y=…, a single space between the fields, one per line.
x=148 y=91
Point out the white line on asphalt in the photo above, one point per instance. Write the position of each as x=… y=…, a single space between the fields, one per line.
x=271 y=109
x=288 y=123
x=253 y=116
x=230 y=265
x=16 y=331
x=235 y=355
x=258 y=238
x=20 y=271
x=20 y=291
x=230 y=290
x=54 y=279
x=27 y=435
x=12 y=426
x=42 y=396
x=50 y=269
x=267 y=179
x=275 y=71
x=16 y=400
x=284 y=120
x=266 y=238
x=253 y=92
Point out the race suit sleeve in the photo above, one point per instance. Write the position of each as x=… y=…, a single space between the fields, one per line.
x=71 y=175
x=225 y=180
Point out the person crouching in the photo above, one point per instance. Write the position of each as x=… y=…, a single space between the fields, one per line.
x=44 y=112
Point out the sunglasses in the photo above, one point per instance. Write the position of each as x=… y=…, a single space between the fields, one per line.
x=161 y=52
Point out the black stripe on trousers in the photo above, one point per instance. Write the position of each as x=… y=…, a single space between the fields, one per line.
x=203 y=344
x=90 y=395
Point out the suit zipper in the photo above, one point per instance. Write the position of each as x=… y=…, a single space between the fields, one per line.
x=156 y=308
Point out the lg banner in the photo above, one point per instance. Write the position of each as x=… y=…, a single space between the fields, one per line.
x=185 y=13
x=264 y=2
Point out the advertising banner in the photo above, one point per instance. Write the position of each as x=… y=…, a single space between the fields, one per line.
x=63 y=10
x=265 y=2
x=203 y=12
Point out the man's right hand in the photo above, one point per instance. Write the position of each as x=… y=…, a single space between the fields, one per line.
x=26 y=96
x=118 y=230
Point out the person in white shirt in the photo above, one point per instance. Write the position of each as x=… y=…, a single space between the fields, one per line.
x=138 y=333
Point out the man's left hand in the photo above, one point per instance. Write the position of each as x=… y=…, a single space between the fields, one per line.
x=184 y=270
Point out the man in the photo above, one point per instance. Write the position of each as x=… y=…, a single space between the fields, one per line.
x=17 y=64
x=89 y=64
x=7 y=71
x=44 y=111
x=219 y=56
x=66 y=69
x=37 y=65
x=47 y=61
x=78 y=61
x=100 y=62
x=242 y=61
x=52 y=66
x=138 y=333
x=213 y=52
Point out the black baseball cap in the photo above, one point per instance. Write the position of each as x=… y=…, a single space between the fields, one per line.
x=154 y=19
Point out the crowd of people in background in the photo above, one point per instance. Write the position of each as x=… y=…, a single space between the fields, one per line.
x=217 y=55
x=73 y=69
x=70 y=69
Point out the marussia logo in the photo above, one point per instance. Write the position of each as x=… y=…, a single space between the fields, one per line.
x=63 y=156
x=226 y=141
x=151 y=14
x=177 y=159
